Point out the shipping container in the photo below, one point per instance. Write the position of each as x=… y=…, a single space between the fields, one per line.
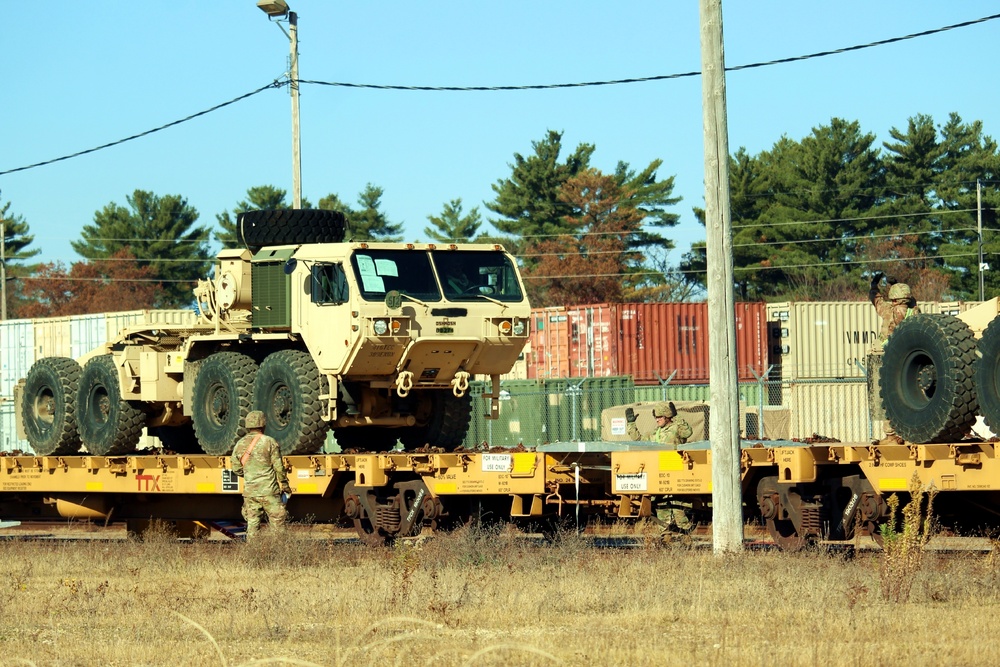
x=652 y=342
x=87 y=332
x=549 y=339
x=52 y=337
x=832 y=409
x=17 y=346
x=828 y=339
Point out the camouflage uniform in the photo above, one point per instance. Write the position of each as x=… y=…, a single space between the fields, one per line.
x=264 y=479
x=892 y=310
x=675 y=432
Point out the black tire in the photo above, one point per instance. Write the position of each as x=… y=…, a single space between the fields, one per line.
x=221 y=399
x=926 y=380
x=287 y=391
x=442 y=421
x=987 y=375
x=109 y=425
x=178 y=439
x=48 y=406
x=256 y=229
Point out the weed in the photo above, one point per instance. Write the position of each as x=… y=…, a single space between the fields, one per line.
x=902 y=549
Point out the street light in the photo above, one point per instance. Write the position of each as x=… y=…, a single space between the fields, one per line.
x=278 y=9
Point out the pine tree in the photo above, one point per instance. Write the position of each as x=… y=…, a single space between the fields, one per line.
x=451 y=226
x=160 y=232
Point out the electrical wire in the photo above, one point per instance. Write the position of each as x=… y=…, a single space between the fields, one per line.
x=279 y=83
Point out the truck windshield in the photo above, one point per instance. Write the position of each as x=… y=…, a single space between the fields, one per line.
x=468 y=275
x=381 y=271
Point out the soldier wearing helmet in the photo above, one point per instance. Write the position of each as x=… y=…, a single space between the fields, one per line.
x=893 y=308
x=257 y=459
x=670 y=429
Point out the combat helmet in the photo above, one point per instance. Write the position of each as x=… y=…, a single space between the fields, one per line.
x=664 y=410
x=899 y=291
x=255 y=419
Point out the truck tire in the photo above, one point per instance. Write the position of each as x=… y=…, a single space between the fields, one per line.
x=48 y=407
x=109 y=425
x=926 y=380
x=221 y=398
x=287 y=390
x=987 y=375
x=445 y=424
x=256 y=229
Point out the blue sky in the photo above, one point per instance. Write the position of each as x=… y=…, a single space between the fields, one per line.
x=80 y=74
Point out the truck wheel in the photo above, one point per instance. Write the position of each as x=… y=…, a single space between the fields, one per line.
x=48 y=408
x=109 y=425
x=987 y=375
x=445 y=421
x=221 y=400
x=287 y=390
x=256 y=229
x=926 y=380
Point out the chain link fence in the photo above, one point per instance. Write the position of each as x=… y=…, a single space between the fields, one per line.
x=534 y=412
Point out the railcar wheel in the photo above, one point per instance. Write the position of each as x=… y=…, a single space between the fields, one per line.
x=442 y=421
x=781 y=528
x=287 y=390
x=222 y=398
x=48 y=406
x=987 y=375
x=256 y=229
x=109 y=425
x=927 y=385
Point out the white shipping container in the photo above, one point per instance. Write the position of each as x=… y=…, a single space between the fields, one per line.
x=17 y=342
x=9 y=441
x=833 y=410
x=86 y=333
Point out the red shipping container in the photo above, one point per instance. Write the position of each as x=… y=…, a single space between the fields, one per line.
x=593 y=339
x=549 y=339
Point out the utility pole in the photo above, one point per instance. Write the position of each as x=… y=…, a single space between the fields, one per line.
x=278 y=9
x=979 y=219
x=293 y=37
x=3 y=271
x=727 y=505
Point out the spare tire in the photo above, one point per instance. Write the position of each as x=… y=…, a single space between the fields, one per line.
x=257 y=229
x=927 y=379
x=987 y=375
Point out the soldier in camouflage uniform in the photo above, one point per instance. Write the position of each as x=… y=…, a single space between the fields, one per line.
x=257 y=459
x=670 y=429
x=893 y=308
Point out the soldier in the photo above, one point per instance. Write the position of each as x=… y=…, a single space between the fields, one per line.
x=893 y=308
x=898 y=306
x=257 y=459
x=670 y=429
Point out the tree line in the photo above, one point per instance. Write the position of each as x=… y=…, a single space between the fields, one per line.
x=811 y=218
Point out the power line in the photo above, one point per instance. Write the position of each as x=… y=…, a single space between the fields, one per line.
x=587 y=84
x=275 y=84
x=664 y=77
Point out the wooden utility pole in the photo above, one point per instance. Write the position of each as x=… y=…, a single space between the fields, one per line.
x=727 y=506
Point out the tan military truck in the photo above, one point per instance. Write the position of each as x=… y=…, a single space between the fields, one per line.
x=377 y=341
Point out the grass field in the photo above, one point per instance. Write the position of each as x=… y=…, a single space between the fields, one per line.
x=480 y=598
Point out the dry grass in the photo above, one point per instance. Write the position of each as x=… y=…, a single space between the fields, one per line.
x=479 y=599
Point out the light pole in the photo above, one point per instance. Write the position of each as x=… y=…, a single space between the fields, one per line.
x=279 y=9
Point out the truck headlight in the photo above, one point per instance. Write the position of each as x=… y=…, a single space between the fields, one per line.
x=520 y=326
x=380 y=327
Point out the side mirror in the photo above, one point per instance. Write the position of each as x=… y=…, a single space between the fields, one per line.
x=290 y=266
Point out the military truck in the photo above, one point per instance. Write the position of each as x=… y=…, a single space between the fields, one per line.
x=375 y=340
x=939 y=372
